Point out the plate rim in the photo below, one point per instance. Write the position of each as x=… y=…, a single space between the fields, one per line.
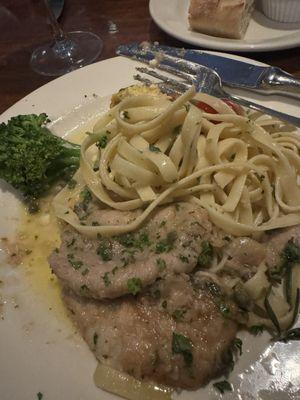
x=219 y=43
x=65 y=81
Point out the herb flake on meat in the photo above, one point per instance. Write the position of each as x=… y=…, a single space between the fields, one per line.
x=256 y=329
x=238 y=345
x=167 y=244
x=161 y=264
x=95 y=338
x=106 y=279
x=139 y=241
x=183 y=258
x=134 y=285
x=206 y=255
x=289 y=256
x=178 y=314
x=182 y=345
x=104 y=250
x=85 y=272
x=223 y=386
x=76 y=264
x=224 y=309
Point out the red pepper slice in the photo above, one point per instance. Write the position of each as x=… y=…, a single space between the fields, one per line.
x=206 y=108
x=235 y=107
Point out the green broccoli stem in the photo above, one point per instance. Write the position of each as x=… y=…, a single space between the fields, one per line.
x=32 y=159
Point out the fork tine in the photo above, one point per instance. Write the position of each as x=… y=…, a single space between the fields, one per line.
x=180 y=86
x=164 y=88
x=176 y=63
x=147 y=55
x=172 y=70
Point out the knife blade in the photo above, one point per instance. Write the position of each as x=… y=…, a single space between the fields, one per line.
x=57 y=7
x=234 y=73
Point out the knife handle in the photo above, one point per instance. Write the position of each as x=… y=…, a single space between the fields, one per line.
x=277 y=81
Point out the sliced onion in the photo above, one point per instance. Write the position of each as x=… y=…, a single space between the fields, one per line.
x=128 y=387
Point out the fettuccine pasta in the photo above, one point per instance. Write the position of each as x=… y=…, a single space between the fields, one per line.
x=149 y=150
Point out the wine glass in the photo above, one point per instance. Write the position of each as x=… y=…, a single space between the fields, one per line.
x=67 y=51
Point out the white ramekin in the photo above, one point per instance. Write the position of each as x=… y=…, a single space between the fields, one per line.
x=282 y=10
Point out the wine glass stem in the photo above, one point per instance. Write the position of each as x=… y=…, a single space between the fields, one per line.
x=58 y=33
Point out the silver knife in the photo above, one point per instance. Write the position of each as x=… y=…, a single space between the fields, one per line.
x=57 y=7
x=234 y=73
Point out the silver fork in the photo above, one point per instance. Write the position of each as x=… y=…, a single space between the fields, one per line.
x=205 y=80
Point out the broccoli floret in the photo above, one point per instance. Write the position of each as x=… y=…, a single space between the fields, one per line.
x=32 y=159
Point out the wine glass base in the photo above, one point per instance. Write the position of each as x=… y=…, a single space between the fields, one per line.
x=75 y=51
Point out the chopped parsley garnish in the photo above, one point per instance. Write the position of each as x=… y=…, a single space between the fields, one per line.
x=213 y=288
x=95 y=338
x=178 y=314
x=39 y=396
x=85 y=271
x=223 y=386
x=260 y=177
x=292 y=334
x=75 y=264
x=177 y=129
x=161 y=264
x=84 y=288
x=104 y=250
x=256 y=329
x=177 y=207
x=102 y=142
x=237 y=345
x=289 y=256
x=126 y=115
x=134 y=285
x=69 y=244
x=114 y=270
x=182 y=345
x=291 y=252
x=164 y=304
x=187 y=107
x=72 y=183
x=126 y=240
x=206 y=255
x=183 y=258
x=155 y=294
x=166 y=244
x=163 y=223
x=85 y=196
x=154 y=149
x=106 y=279
x=142 y=240
x=81 y=208
x=224 y=309
x=139 y=241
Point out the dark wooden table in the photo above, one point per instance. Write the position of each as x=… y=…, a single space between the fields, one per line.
x=23 y=26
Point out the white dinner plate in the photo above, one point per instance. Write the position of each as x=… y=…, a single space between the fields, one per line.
x=262 y=34
x=40 y=351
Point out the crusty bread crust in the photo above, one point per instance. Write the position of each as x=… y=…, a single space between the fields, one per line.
x=225 y=18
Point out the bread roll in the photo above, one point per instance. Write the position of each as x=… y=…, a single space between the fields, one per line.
x=225 y=18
